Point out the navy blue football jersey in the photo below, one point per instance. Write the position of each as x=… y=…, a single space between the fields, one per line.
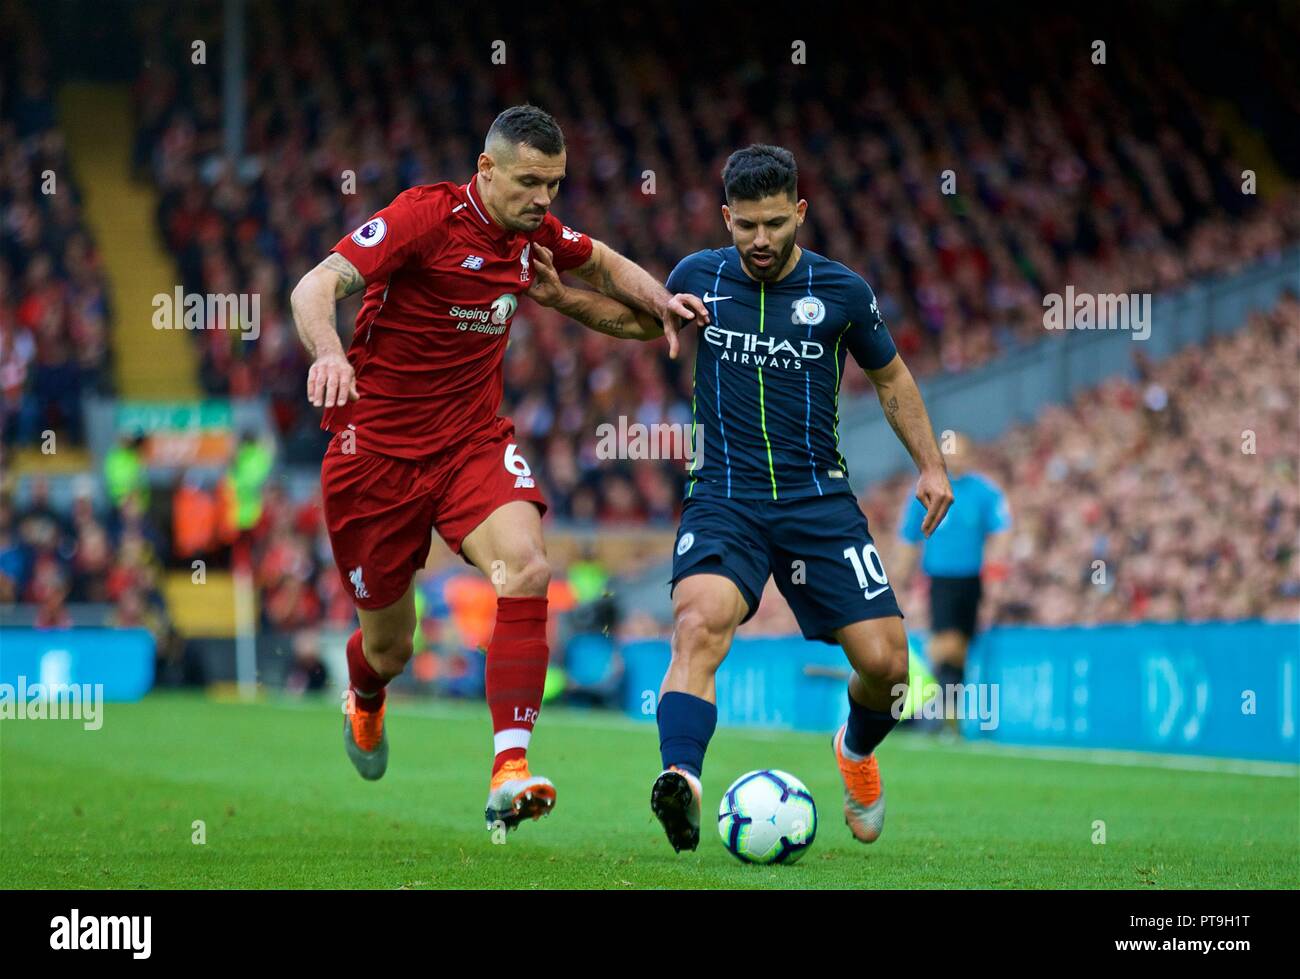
x=767 y=374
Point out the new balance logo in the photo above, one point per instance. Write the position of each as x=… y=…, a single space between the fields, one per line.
x=358 y=585
x=473 y=262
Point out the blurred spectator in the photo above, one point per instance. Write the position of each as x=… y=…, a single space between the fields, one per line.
x=125 y=471
x=308 y=673
x=13 y=557
x=247 y=475
x=196 y=519
x=592 y=665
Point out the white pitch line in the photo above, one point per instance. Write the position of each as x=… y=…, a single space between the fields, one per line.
x=573 y=717
x=1109 y=756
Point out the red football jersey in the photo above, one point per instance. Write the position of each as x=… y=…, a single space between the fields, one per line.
x=443 y=281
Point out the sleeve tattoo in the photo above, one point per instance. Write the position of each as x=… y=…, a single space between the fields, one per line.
x=349 y=279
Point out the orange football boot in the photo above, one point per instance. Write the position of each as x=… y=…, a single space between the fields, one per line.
x=864 y=795
x=366 y=741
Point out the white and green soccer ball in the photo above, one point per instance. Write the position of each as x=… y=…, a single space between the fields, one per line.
x=767 y=816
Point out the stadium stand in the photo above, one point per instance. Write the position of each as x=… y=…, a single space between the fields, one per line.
x=1077 y=180
x=54 y=307
x=1126 y=475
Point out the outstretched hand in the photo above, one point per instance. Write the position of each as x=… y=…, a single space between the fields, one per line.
x=935 y=493
x=681 y=309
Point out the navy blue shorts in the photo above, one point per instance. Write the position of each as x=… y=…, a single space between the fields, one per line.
x=818 y=548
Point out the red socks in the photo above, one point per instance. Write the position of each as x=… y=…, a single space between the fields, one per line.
x=516 y=673
x=366 y=685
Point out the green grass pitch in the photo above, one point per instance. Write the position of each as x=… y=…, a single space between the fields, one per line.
x=281 y=807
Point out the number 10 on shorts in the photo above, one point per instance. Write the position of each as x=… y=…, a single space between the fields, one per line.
x=517 y=466
x=869 y=564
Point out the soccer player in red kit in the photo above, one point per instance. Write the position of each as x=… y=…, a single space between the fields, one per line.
x=417 y=445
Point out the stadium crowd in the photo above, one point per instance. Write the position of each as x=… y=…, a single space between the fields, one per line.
x=1112 y=178
x=53 y=297
x=1184 y=481
x=50 y=557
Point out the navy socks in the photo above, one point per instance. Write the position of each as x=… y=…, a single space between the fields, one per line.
x=948 y=675
x=686 y=723
x=867 y=728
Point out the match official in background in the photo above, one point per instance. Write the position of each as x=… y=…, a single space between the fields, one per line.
x=976 y=527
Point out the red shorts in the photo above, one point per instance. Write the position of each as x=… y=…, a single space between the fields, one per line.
x=381 y=511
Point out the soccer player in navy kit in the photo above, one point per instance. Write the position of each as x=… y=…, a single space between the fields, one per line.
x=770 y=493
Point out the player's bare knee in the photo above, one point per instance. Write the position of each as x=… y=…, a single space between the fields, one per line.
x=897 y=666
x=389 y=656
x=884 y=663
x=526 y=575
x=700 y=640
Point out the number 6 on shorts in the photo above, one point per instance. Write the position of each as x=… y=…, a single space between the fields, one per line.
x=518 y=467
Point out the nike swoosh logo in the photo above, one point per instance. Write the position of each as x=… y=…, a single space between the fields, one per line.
x=872 y=594
x=714 y=299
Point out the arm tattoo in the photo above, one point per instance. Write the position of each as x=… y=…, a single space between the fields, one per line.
x=349 y=281
x=598 y=275
x=891 y=416
x=588 y=269
x=614 y=327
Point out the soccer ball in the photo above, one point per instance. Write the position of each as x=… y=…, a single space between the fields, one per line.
x=767 y=816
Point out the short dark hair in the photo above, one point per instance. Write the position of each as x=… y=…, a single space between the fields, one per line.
x=529 y=125
x=759 y=171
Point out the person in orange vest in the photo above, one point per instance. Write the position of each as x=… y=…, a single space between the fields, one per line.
x=194 y=518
